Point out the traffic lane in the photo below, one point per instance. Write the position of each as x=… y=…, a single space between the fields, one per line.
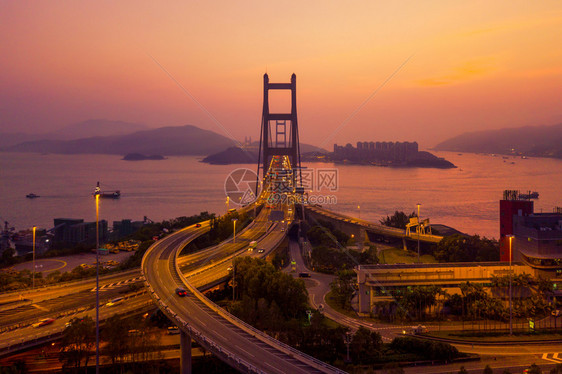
x=204 y=320
x=57 y=290
x=29 y=333
x=238 y=341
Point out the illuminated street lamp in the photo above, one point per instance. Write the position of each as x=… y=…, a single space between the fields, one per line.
x=234 y=222
x=33 y=276
x=510 y=276
x=97 y=197
x=359 y=208
x=233 y=261
x=418 y=230
x=227 y=203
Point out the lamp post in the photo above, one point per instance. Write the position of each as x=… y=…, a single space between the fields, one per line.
x=348 y=339
x=418 y=230
x=33 y=273
x=227 y=203
x=234 y=260
x=359 y=208
x=234 y=222
x=97 y=197
x=510 y=277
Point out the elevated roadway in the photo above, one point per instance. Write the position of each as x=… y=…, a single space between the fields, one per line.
x=356 y=225
x=240 y=345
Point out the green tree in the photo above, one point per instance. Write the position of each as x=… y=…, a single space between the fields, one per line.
x=398 y=220
x=77 y=341
x=115 y=335
x=462 y=248
x=343 y=288
x=365 y=346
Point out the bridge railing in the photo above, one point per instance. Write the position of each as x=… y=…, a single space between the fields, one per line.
x=252 y=330
x=209 y=344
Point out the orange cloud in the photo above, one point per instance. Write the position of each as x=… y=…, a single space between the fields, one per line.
x=467 y=71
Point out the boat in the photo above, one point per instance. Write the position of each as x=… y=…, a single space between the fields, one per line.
x=31 y=196
x=106 y=194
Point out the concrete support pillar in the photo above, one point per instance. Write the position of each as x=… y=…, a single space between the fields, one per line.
x=361 y=237
x=404 y=243
x=185 y=353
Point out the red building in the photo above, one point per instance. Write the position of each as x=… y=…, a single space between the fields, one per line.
x=511 y=205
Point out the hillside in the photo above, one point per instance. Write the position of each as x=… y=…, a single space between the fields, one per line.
x=538 y=141
x=94 y=127
x=168 y=141
x=80 y=130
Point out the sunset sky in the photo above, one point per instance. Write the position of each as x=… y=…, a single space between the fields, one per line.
x=466 y=65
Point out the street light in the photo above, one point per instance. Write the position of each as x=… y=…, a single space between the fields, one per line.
x=348 y=339
x=227 y=203
x=33 y=276
x=510 y=276
x=418 y=230
x=359 y=208
x=97 y=196
x=234 y=222
x=233 y=260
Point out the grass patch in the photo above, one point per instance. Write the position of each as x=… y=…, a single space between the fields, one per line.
x=398 y=256
x=332 y=303
x=496 y=336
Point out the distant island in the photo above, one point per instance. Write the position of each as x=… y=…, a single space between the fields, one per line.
x=141 y=157
x=393 y=154
x=536 y=141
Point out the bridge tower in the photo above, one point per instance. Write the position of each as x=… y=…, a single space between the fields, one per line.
x=279 y=131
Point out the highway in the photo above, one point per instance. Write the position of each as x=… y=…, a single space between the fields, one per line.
x=230 y=339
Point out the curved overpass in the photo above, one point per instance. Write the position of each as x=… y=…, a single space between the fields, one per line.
x=370 y=226
x=230 y=339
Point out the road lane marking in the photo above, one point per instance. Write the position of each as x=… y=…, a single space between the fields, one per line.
x=216 y=333
x=243 y=350
x=273 y=367
x=553 y=359
x=40 y=307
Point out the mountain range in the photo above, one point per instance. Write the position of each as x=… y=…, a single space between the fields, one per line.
x=84 y=129
x=538 y=141
x=123 y=138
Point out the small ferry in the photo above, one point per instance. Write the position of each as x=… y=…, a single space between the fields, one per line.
x=32 y=196
x=106 y=194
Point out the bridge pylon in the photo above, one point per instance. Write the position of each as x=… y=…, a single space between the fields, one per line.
x=279 y=131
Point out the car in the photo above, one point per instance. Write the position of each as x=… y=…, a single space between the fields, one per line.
x=181 y=292
x=261 y=250
x=43 y=322
x=115 y=301
x=304 y=275
x=197 y=225
x=173 y=330
x=419 y=329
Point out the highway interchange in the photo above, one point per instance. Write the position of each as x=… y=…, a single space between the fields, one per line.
x=238 y=345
